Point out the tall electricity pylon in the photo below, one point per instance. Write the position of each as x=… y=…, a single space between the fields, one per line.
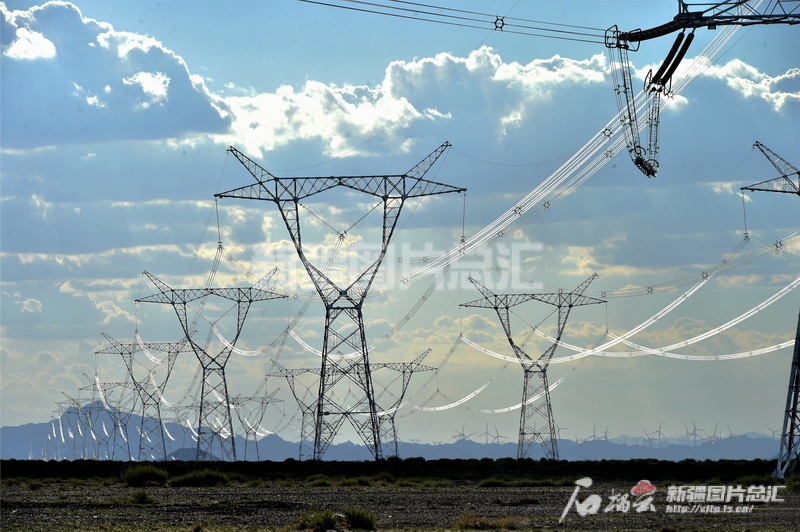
x=214 y=422
x=785 y=183
x=344 y=320
x=152 y=445
x=250 y=417
x=113 y=445
x=789 y=451
x=386 y=417
x=691 y=15
x=535 y=370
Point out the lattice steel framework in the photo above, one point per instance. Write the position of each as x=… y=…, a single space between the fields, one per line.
x=344 y=321
x=215 y=424
x=250 y=412
x=535 y=370
x=789 y=180
x=691 y=15
x=116 y=443
x=152 y=444
x=789 y=451
x=386 y=418
x=84 y=410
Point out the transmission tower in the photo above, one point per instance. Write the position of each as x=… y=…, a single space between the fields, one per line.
x=785 y=182
x=214 y=423
x=250 y=417
x=113 y=445
x=307 y=407
x=152 y=444
x=84 y=411
x=535 y=370
x=386 y=417
x=691 y=15
x=343 y=306
x=789 y=451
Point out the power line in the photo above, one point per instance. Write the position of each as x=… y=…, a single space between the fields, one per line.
x=490 y=15
x=492 y=22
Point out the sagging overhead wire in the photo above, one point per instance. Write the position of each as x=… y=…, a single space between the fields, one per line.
x=470 y=19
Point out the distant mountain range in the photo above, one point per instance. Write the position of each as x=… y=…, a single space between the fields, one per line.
x=65 y=440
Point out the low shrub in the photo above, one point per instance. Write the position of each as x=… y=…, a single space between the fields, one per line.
x=142 y=497
x=471 y=521
x=754 y=480
x=141 y=475
x=319 y=481
x=793 y=482
x=34 y=485
x=204 y=478
x=318 y=521
x=359 y=518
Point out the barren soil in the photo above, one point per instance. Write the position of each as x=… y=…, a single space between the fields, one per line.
x=63 y=505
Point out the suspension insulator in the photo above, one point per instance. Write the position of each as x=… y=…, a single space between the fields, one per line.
x=668 y=60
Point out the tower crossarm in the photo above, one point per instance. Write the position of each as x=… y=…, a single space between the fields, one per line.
x=786 y=182
x=784 y=167
x=778 y=184
x=186 y=295
x=568 y=299
x=279 y=189
x=727 y=13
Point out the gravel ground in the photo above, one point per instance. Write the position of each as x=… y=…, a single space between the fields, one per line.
x=65 y=506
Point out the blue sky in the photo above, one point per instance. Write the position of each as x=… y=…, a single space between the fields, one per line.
x=115 y=118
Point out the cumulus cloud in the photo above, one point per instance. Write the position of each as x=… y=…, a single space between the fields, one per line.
x=727 y=187
x=31 y=305
x=779 y=91
x=30 y=45
x=481 y=87
x=97 y=84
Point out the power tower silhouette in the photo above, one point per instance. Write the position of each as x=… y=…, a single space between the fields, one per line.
x=344 y=320
x=535 y=370
x=785 y=182
x=83 y=411
x=250 y=412
x=113 y=445
x=215 y=424
x=691 y=15
x=789 y=451
x=152 y=444
x=388 y=428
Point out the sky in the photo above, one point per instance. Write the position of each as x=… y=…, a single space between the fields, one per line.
x=115 y=118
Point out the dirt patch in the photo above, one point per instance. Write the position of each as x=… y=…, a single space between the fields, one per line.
x=57 y=505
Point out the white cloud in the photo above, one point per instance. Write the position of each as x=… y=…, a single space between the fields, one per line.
x=31 y=305
x=752 y=83
x=42 y=207
x=116 y=90
x=30 y=45
x=425 y=90
x=154 y=86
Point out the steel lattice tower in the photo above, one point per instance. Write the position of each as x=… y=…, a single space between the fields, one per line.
x=152 y=445
x=535 y=370
x=344 y=320
x=214 y=423
x=386 y=417
x=789 y=451
x=116 y=443
x=250 y=418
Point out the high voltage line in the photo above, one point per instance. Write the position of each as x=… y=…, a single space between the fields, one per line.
x=470 y=19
